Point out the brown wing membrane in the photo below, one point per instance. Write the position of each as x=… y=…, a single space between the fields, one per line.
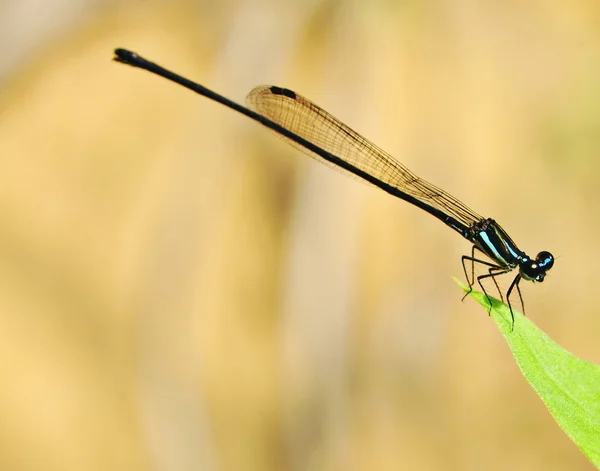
x=302 y=117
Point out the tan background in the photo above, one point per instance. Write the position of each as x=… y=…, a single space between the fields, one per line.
x=179 y=290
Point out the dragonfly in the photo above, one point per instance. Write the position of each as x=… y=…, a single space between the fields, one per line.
x=325 y=138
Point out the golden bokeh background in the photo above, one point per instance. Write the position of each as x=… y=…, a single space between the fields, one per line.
x=181 y=290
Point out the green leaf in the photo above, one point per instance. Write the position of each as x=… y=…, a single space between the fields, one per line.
x=568 y=385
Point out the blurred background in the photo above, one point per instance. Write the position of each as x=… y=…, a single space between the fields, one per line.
x=181 y=290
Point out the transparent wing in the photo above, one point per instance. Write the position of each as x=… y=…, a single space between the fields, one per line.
x=307 y=120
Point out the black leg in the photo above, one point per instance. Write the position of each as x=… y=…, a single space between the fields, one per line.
x=494 y=270
x=498 y=271
x=472 y=279
x=521 y=297
x=473 y=260
x=512 y=285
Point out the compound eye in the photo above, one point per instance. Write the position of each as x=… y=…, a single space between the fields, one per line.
x=545 y=260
